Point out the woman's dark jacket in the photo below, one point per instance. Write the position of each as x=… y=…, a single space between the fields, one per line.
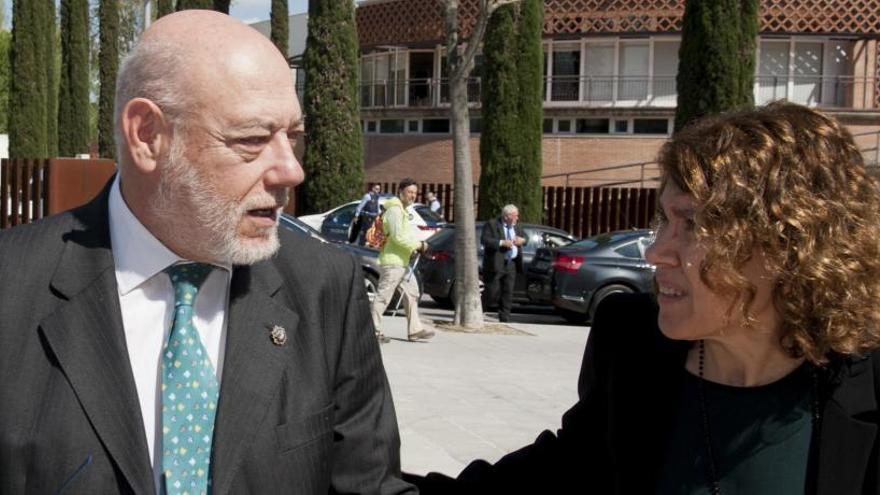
x=613 y=440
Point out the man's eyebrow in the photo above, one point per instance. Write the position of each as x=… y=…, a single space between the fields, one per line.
x=297 y=125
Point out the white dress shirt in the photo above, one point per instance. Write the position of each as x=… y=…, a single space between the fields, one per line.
x=146 y=299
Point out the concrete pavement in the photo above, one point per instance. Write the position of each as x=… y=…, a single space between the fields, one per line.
x=461 y=397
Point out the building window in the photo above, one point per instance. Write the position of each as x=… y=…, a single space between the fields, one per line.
x=476 y=126
x=548 y=126
x=566 y=72
x=371 y=126
x=563 y=126
x=412 y=126
x=592 y=126
x=805 y=72
x=435 y=126
x=633 y=69
x=621 y=126
x=651 y=126
x=391 y=126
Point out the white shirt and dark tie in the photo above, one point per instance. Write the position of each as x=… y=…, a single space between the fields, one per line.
x=510 y=235
x=146 y=299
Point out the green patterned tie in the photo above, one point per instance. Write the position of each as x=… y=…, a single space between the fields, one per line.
x=189 y=391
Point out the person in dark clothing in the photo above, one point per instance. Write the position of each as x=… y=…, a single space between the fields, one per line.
x=502 y=241
x=365 y=213
x=756 y=368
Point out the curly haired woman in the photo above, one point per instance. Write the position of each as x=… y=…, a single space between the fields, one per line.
x=756 y=369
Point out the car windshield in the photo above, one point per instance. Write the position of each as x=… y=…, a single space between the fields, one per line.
x=430 y=217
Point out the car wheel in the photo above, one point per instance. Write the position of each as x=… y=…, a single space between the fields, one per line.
x=371 y=282
x=444 y=302
x=603 y=293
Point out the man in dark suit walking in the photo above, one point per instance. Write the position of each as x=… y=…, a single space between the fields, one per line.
x=502 y=241
x=166 y=337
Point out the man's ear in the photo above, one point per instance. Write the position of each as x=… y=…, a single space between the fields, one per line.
x=146 y=132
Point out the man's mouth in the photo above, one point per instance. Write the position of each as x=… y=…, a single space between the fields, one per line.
x=263 y=212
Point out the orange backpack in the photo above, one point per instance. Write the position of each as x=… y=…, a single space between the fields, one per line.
x=375 y=236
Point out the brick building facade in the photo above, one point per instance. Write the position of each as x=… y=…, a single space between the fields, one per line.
x=610 y=70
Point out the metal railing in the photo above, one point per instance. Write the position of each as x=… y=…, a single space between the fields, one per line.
x=639 y=91
x=413 y=93
x=818 y=91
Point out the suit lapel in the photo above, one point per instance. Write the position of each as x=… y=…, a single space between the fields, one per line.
x=253 y=366
x=86 y=335
x=845 y=440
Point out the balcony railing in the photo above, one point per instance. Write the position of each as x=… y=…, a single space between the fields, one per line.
x=821 y=91
x=414 y=93
x=630 y=91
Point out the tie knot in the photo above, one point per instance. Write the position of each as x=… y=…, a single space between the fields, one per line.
x=187 y=278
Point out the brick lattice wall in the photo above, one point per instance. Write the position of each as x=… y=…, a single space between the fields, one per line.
x=421 y=21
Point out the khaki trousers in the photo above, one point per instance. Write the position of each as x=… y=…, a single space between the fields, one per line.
x=389 y=277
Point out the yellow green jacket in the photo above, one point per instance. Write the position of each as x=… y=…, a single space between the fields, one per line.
x=399 y=233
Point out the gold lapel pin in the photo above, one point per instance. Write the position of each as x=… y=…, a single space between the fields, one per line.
x=279 y=335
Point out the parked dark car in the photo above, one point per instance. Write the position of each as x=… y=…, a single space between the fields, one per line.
x=575 y=278
x=368 y=257
x=437 y=268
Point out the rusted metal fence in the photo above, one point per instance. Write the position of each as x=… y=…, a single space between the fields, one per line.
x=31 y=189
x=582 y=211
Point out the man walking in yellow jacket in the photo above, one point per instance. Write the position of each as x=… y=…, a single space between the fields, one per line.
x=400 y=243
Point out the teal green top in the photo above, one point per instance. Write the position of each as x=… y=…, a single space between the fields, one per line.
x=760 y=437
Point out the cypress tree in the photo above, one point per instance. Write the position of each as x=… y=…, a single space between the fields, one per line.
x=221 y=6
x=27 y=102
x=50 y=60
x=194 y=4
x=108 y=67
x=5 y=78
x=73 y=99
x=716 y=59
x=510 y=145
x=279 y=19
x=164 y=7
x=530 y=76
x=334 y=142
x=499 y=140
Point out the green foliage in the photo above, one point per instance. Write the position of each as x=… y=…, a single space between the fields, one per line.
x=512 y=111
x=279 y=20
x=50 y=64
x=333 y=159
x=221 y=6
x=164 y=7
x=73 y=98
x=27 y=104
x=108 y=67
x=5 y=78
x=717 y=58
x=194 y=4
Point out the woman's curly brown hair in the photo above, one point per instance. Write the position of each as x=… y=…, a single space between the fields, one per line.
x=788 y=182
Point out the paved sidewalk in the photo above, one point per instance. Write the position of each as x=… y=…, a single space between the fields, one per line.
x=460 y=397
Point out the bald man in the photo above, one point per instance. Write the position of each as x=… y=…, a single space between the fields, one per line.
x=166 y=337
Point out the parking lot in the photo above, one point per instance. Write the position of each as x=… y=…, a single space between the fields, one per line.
x=462 y=396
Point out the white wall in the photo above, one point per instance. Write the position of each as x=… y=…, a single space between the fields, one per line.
x=4 y=145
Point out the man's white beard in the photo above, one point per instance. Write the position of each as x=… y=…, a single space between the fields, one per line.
x=195 y=213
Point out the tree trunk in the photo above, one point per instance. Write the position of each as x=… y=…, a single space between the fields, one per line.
x=468 y=309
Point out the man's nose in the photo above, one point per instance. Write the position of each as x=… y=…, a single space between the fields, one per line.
x=285 y=169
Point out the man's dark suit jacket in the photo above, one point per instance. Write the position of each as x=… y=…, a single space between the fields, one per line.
x=613 y=440
x=313 y=416
x=493 y=254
